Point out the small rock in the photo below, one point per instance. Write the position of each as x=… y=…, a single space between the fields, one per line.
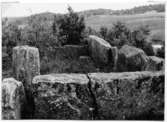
x=84 y=59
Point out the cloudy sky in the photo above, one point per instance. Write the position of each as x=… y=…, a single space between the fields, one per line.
x=19 y=9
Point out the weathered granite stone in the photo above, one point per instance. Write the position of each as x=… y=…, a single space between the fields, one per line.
x=25 y=64
x=128 y=95
x=155 y=63
x=13 y=98
x=99 y=49
x=131 y=59
x=62 y=96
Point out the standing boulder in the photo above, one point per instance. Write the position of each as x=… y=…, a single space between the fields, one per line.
x=131 y=59
x=99 y=49
x=13 y=98
x=26 y=64
x=62 y=96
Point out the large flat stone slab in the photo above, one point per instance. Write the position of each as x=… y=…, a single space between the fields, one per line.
x=128 y=95
x=62 y=96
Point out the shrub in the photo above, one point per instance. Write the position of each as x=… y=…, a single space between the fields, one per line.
x=140 y=35
x=148 y=49
x=71 y=27
x=118 y=36
x=139 y=39
x=11 y=36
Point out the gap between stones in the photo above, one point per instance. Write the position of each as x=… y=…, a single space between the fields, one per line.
x=95 y=106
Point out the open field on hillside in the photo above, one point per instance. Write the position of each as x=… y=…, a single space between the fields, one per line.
x=155 y=21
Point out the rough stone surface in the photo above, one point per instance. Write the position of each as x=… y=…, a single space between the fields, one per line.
x=99 y=49
x=129 y=95
x=71 y=51
x=62 y=96
x=155 y=63
x=13 y=97
x=131 y=59
x=25 y=64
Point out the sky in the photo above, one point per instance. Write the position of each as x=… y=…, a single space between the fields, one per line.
x=20 y=9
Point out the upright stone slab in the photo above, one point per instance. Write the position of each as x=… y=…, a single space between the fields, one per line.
x=128 y=95
x=13 y=98
x=26 y=64
x=99 y=49
x=62 y=96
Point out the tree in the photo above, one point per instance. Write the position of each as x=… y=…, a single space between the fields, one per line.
x=139 y=39
x=39 y=33
x=55 y=26
x=119 y=35
x=71 y=27
x=140 y=35
x=11 y=36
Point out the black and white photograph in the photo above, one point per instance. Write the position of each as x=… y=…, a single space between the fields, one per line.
x=83 y=61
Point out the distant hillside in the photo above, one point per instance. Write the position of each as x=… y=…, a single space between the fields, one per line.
x=141 y=9
x=88 y=13
x=24 y=20
x=93 y=12
x=152 y=15
x=135 y=10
